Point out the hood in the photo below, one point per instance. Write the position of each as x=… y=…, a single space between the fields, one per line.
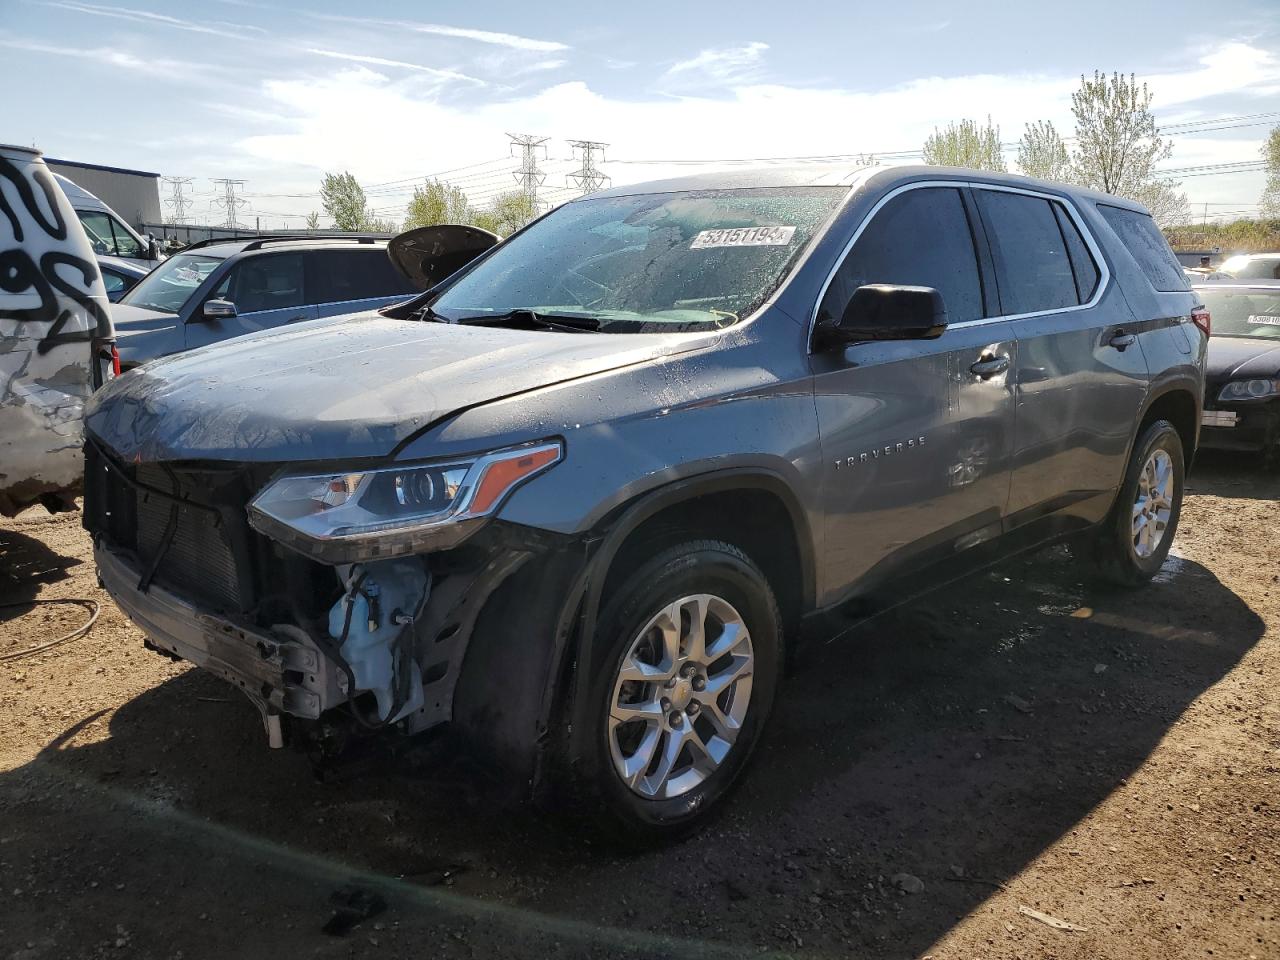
x=346 y=387
x=142 y=334
x=1239 y=358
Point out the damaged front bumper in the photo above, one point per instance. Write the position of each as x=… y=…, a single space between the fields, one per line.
x=280 y=670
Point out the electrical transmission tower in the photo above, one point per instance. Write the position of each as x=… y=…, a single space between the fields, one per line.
x=529 y=176
x=177 y=200
x=229 y=201
x=589 y=177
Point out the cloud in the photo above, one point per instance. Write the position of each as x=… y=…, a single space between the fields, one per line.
x=724 y=65
x=217 y=28
x=107 y=56
x=344 y=121
x=510 y=40
x=384 y=62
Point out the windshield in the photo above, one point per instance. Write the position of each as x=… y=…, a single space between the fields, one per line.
x=168 y=286
x=1252 y=268
x=650 y=262
x=1247 y=312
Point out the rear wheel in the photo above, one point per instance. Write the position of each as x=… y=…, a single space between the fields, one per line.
x=689 y=652
x=1135 y=539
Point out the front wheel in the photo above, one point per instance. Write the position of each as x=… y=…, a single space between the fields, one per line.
x=1135 y=539
x=689 y=654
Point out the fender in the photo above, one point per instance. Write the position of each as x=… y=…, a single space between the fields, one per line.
x=602 y=555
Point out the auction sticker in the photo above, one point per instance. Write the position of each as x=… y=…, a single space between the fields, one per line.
x=743 y=237
x=1265 y=320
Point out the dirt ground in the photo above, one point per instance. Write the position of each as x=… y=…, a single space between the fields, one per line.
x=1018 y=742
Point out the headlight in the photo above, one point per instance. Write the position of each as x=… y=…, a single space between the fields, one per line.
x=393 y=511
x=1249 y=390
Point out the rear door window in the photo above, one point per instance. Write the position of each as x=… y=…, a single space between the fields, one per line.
x=1033 y=268
x=919 y=238
x=342 y=275
x=270 y=282
x=1142 y=238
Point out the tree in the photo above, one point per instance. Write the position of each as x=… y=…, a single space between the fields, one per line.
x=1041 y=153
x=965 y=145
x=437 y=202
x=343 y=199
x=507 y=213
x=1118 y=145
x=1271 y=160
x=313 y=220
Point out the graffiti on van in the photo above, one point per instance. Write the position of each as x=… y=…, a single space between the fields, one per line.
x=52 y=307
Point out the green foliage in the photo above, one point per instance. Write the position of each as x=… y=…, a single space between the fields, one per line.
x=1271 y=160
x=506 y=214
x=1042 y=154
x=313 y=220
x=966 y=145
x=344 y=201
x=1118 y=145
x=1239 y=236
x=436 y=202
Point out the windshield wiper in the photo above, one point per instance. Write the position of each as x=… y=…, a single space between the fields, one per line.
x=547 y=321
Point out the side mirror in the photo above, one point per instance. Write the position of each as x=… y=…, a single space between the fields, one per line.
x=218 y=310
x=886 y=311
x=427 y=255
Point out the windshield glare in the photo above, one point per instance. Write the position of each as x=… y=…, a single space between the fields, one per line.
x=168 y=286
x=688 y=260
x=1244 y=313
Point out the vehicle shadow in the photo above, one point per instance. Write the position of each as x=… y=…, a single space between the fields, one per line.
x=26 y=564
x=1225 y=473
x=952 y=740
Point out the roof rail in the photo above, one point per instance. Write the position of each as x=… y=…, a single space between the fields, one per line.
x=257 y=242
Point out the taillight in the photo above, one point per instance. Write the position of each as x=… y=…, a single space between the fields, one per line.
x=115 y=359
x=1200 y=317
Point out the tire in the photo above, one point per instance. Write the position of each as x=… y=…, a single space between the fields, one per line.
x=649 y=810
x=1120 y=556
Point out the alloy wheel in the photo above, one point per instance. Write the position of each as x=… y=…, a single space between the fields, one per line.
x=1154 y=504
x=680 y=696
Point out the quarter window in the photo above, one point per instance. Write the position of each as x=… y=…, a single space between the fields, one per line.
x=1142 y=238
x=342 y=275
x=919 y=238
x=1033 y=269
x=1082 y=262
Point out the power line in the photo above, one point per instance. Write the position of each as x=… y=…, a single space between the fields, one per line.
x=177 y=200
x=229 y=202
x=589 y=178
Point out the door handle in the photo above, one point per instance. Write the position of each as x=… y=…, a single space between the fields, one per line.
x=1122 y=340
x=989 y=366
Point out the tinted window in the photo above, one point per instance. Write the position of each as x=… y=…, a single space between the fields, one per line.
x=1142 y=238
x=1033 y=270
x=355 y=275
x=919 y=238
x=1082 y=263
x=264 y=283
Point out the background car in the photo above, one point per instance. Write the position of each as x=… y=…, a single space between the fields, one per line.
x=1242 y=381
x=1252 y=266
x=119 y=276
x=216 y=290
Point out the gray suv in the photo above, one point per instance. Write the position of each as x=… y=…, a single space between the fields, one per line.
x=578 y=499
x=217 y=289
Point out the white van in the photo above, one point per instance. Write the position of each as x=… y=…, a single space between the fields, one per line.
x=57 y=344
x=108 y=233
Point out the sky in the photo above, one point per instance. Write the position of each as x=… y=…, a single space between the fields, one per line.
x=276 y=94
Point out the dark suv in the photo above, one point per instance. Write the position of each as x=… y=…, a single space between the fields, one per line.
x=577 y=499
x=217 y=289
